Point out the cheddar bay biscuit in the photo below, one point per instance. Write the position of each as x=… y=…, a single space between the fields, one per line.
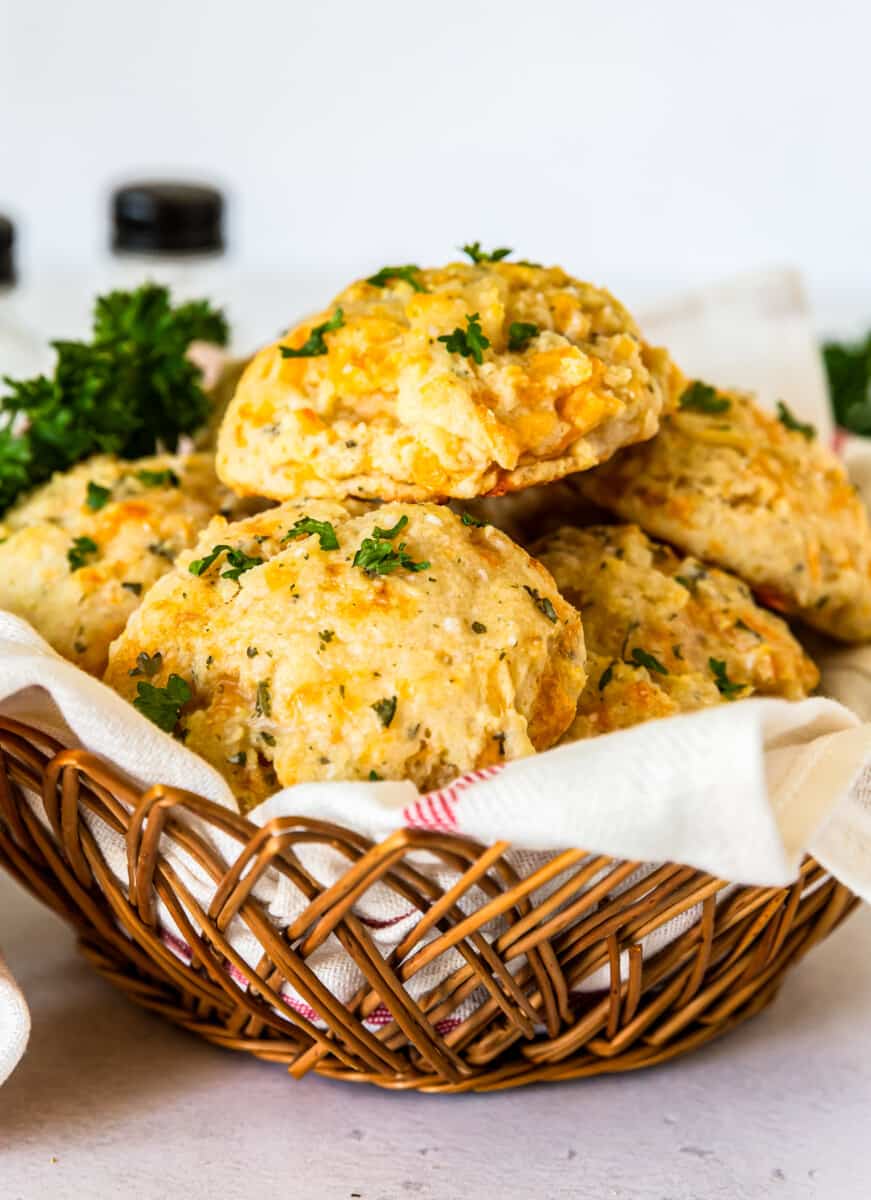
x=78 y=553
x=665 y=634
x=451 y=382
x=330 y=641
x=757 y=495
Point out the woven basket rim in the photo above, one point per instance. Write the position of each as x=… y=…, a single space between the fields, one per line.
x=530 y=1026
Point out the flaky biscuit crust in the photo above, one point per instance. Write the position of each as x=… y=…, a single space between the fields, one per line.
x=389 y=411
x=308 y=667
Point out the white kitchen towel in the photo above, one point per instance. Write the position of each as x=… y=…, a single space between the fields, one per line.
x=741 y=791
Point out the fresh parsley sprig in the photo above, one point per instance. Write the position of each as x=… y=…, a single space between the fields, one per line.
x=315 y=345
x=848 y=367
x=408 y=274
x=477 y=255
x=470 y=342
x=156 y=479
x=542 y=603
x=641 y=658
x=162 y=705
x=238 y=562
x=790 y=421
x=97 y=496
x=701 y=397
x=725 y=686
x=521 y=333
x=129 y=388
x=307 y=525
x=80 y=551
x=377 y=555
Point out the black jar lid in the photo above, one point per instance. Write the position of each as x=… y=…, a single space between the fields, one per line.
x=167 y=218
x=7 y=248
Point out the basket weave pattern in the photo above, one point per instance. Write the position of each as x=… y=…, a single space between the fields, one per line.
x=532 y=1024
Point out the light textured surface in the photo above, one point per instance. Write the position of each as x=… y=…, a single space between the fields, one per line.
x=779 y=1109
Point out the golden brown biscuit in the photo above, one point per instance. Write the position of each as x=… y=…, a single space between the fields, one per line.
x=665 y=635
x=450 y=382
x=757 y=495
x=390 y=642
x=79 y=553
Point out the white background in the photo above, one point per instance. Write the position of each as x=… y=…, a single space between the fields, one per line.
x=644 y=145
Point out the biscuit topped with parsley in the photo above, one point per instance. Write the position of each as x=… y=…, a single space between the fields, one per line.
x=666 y=634
x=78 y=553
x=756 y=494
x=342 y=641
x=421 y=384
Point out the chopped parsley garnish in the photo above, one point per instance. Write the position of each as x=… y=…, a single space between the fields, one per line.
x=701 y=397
x=135 y=588
x=641 y=658
x=326 y=636
x=161 y=550
x=162 y=705
x=268 y=738
x=848 y=366
x=468 y=519
x=374 y=777
x=238 y=561
x=128 y=388
x=263 y=703
x=324 y=530
x=153 y=479
x=521 y=333
x=251 y=652
x=80 y=551
x=542 y=604
x=385 y=709
x=606 y=677
x=408 y=274
x=97 y=496
x=725 y=686
x=790 y=421
x=478 y=627
x=314 y=345
x=147 y=664
x=470 y=342
x=377 y=556
x=477 y=255
x=393 y=530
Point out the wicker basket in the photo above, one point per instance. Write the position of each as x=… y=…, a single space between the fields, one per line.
x=533 y=1025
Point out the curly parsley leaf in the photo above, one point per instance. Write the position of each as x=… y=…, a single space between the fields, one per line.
x=238 y=562
x=162 y=705
x=147 y=664
x=472 y=522
x=391 y=533
x=97 y=496
x=408 y=274
x=305 y=525
x=124 y=391
x=314 y=345
x=521 y=333
x=701 y=397
x=80 y=551
x=386 y=710
x=470 y=342
x=154 y=479
x=848 y=367
x=726 y=688
x=641 y=658
x=477 y=255
x=790 y=421
x=542 y=604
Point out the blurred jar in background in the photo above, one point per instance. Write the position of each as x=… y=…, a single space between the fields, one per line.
x=171 y=233
x=23 y=353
